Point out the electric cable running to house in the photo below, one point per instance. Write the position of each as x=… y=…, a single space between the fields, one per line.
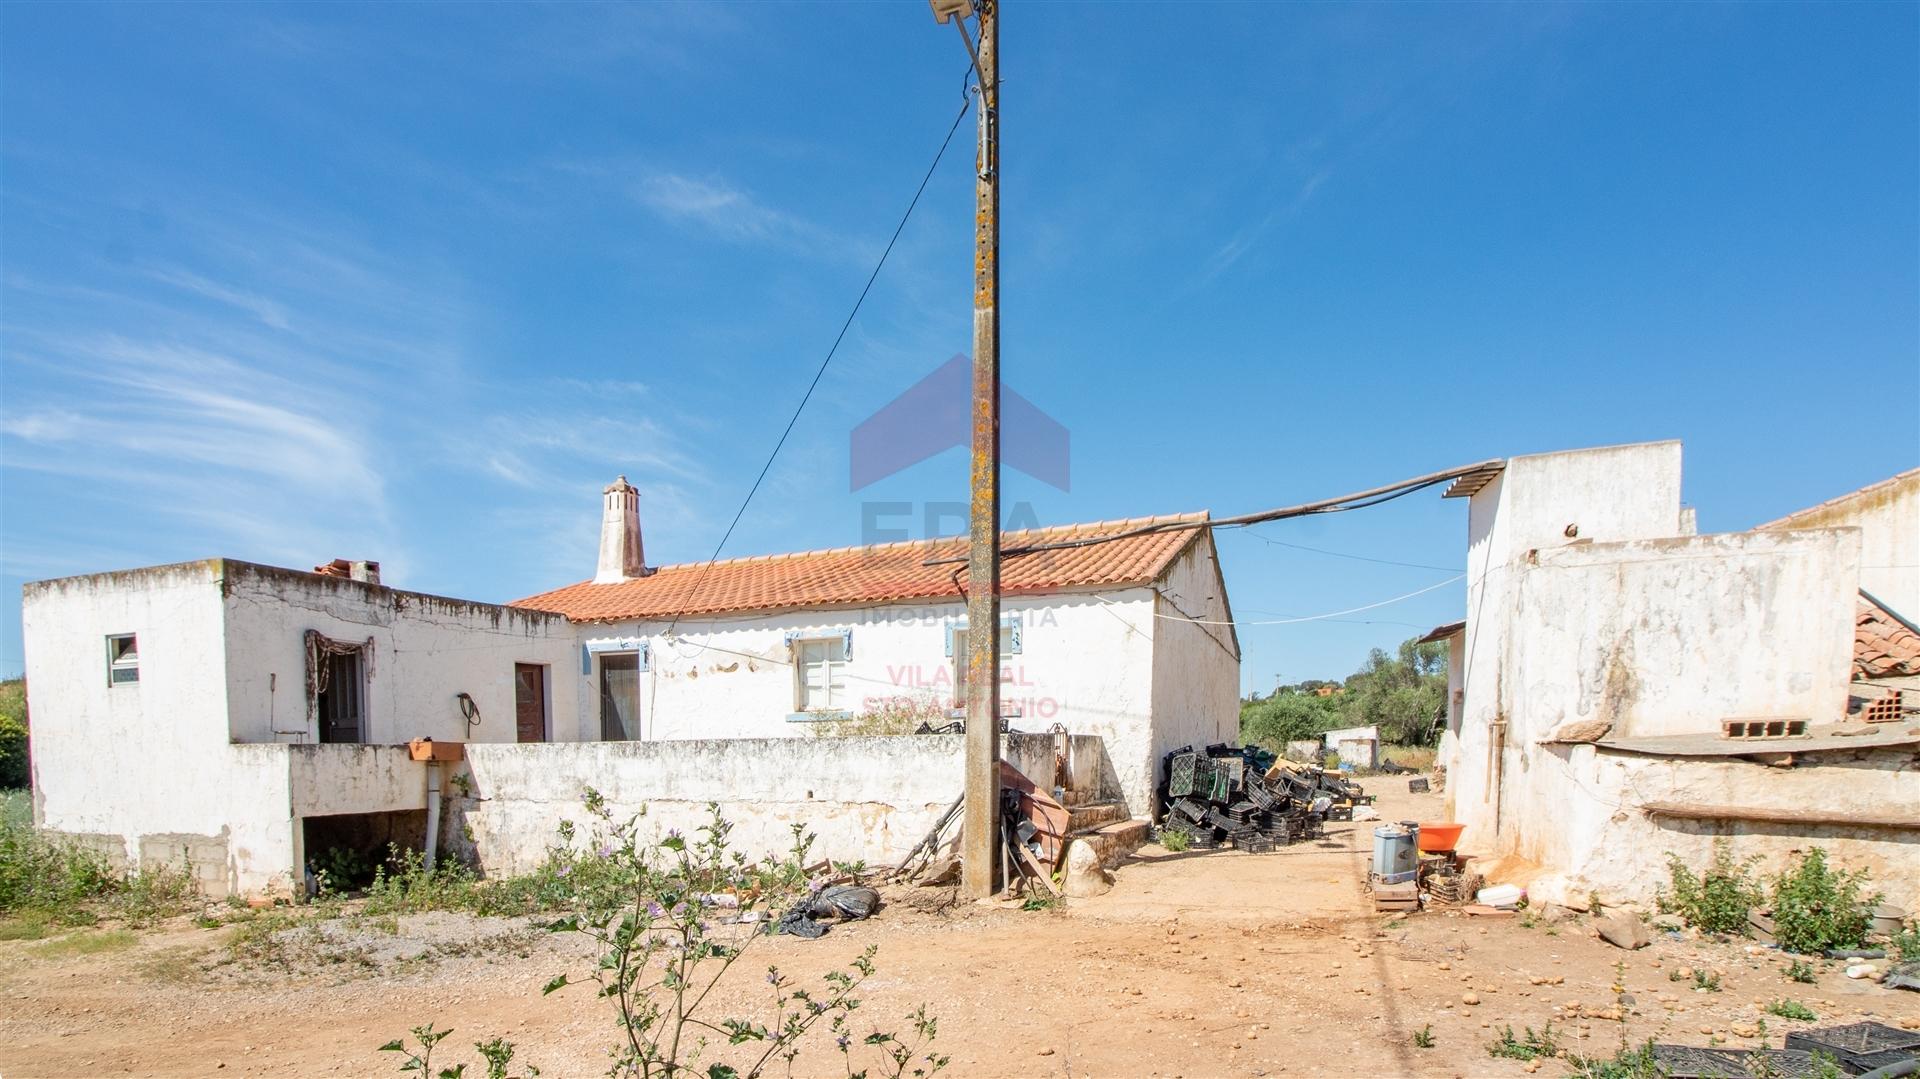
x=966 y=103
x=1358 y=500
x=1271 y=542
x=1308 y=618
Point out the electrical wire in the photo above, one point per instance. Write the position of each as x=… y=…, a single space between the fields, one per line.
x=1308 y=618
x=1356 y=501
x=1270 y=541
x=966 y=103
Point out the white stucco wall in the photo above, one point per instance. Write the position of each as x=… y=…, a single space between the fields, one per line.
x=111 y=761
x=426 y=649
x=1085 y=661
x=1672 y=636
x=1637 y=622
x=871 y=799
x=1888 y=517
x=181 y=765
x=1196 y=671
x=1608 y=494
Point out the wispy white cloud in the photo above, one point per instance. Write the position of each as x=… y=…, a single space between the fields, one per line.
x=734 y=215
x=1246 y=237
x=267 y=311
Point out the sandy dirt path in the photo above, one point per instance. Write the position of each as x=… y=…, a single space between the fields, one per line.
x=1196 y=964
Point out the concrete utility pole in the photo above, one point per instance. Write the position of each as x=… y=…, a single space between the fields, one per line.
x=980 y=836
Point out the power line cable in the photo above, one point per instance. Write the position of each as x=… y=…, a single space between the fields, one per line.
x=1357 y=500
x=1269 y=540
x=966 y=103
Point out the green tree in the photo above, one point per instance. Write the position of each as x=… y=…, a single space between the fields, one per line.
x=1285 y=716
x=13 y=733
x=1402 y=694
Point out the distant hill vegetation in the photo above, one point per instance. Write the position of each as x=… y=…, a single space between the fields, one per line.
x=1403 y=695
x=13 y=733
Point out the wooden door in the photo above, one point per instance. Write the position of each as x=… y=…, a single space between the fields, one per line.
x=530 y=701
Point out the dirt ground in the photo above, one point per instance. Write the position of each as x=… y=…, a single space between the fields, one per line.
x=1196 y=964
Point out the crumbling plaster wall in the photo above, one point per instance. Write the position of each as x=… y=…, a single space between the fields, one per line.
x=1671 y=636
x=1611 y=846
x=1888 y=517
x=426 y=649
x=871 y=799
x=1085 y=661
x=1196 y=666
x=130 y=769
x=1638 y=623
x=1604 y=495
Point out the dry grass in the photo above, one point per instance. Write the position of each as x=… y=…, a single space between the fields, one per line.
x=85 y=942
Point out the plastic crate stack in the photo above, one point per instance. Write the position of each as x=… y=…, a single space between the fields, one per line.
x=1223 y=796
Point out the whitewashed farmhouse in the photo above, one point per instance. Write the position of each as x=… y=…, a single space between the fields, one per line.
x=1623 y=687
x=238 y=717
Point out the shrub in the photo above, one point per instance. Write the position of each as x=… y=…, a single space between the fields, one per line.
x=1531 y=1046
x=1423 y=1038
x=668 y=918
x=1816 y=907
x=1719 y=900
x=1175 y=839
x=1791 y=1009
x=897 y=715
x=1906 y=943
x=1637 y=1063
x=14 y=769
x=1800 y=971
x=41 y=873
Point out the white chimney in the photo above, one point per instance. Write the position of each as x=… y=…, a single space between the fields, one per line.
x=621 y=558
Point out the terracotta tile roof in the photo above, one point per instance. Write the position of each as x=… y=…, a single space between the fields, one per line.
x=892 y=572
x=1883 y=646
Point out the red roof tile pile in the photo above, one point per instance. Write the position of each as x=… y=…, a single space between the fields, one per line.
x=1883 y=647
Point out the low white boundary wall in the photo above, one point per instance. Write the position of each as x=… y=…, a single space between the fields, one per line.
x=871 y=799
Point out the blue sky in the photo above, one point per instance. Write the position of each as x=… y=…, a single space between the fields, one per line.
x=412 y=282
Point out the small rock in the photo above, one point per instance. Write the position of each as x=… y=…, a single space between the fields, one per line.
x=1859 y=970
x=1046 y=1052
x=1623 y=931
x=1085 y=876
x=1470 y=999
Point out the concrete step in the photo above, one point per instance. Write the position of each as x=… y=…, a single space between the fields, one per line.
x=1071 y=799
x=1093 y=815
x=1114 y=842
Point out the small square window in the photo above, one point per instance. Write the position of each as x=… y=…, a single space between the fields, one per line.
x=123 y=659
x=820 y=670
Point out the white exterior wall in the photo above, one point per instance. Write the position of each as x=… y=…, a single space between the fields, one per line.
x=1888 y=517
x=1659 y=637
x=425 y=650
x=120 y=764
x=1609 y=494
x=1673 y=636
x=1637 y=622
x=1607 y=844
x=1085 y=662
x=871 y=799
x=1196 y=674
x=180 y=765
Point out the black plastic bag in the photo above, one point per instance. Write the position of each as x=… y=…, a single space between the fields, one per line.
x=847 y=902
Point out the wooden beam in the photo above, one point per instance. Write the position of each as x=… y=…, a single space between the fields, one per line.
x=1767 y=815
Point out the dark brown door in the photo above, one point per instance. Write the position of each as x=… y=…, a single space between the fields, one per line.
x=530 y=701
x=339 y=704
